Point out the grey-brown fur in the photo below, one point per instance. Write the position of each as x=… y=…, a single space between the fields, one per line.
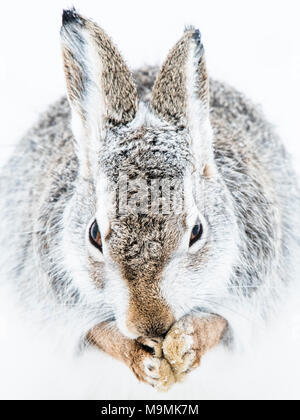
x=169 y=96
x=115 y=78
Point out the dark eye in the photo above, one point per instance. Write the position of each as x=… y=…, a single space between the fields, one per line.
x=95 y=236
x=197 y=233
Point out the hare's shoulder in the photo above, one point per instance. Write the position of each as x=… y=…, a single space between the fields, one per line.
x=145 y=79
x=244 y=139
x=232 y=110
x=33 y=166
x=50 y=140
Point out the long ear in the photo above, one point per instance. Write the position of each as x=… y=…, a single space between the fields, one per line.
x=100 y=87
x=181 y=93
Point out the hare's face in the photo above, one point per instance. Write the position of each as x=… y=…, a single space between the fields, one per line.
x=160 y=242
x=160 y=247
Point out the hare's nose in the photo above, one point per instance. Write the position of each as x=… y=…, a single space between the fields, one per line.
x=151 y=329
x=151 y=319
x=156 y=331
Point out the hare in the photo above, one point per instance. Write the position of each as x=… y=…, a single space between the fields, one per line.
x=155 y=211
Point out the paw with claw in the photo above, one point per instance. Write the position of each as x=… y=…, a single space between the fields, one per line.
x=149 y=366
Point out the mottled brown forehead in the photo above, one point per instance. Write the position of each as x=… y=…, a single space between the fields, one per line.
x=151 y=152
x=142 y=244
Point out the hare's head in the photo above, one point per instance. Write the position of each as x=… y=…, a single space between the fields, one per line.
x=151 y=228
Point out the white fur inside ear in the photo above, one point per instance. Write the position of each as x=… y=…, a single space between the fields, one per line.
x=88 y=120
x=197 y=112
x=81 y=143
x=95 y=103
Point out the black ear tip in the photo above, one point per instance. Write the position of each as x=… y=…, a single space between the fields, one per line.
x=197 y=36
x=69 y=16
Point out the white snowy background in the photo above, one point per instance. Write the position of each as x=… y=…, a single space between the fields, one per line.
x=253 y=45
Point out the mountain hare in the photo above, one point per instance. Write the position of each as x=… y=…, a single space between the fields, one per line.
x=157 y=213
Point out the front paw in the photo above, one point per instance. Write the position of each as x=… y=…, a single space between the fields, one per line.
x=189 y=339
x=180 y=349
x=151 y=369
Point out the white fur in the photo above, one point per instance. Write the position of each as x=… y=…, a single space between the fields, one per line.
x=197 y=114
x=145 y=118
x=76 y=262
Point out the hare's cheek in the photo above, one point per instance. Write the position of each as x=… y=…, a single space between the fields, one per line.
x=96 y=273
